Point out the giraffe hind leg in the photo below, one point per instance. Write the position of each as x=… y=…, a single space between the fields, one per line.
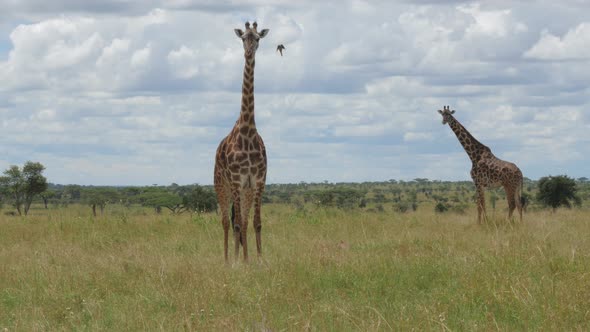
x=233 y=220
x=237 y=225
x=511 y=197
x=247 y=203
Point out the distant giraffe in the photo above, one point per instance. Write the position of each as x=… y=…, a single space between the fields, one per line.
x=487 y=170
x=240 y=161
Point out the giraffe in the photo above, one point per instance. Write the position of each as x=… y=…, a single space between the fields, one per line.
x=487 y=171
x=240 y=161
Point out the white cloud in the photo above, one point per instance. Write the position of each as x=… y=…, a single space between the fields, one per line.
x=141 y=57
x=54 y=43
x=154 y=17
x=493 y=23
x=113 y=52
x=573 y=45
x=184 y=62
x=362 y=7
x=61 y=55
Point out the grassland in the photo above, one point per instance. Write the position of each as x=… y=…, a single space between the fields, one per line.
x=323 y=269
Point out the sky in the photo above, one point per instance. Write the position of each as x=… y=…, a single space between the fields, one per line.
x=125 y=92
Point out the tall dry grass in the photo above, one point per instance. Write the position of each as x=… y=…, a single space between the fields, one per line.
x=323 y=269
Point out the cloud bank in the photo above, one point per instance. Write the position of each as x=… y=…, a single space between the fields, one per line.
x=141 y=92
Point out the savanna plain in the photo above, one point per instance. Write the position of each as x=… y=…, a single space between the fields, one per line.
x=323 y=268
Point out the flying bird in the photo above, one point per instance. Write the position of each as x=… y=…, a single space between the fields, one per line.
x=280 y=48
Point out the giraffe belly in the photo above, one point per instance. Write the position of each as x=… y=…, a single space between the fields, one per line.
x=494 y=185
x=247 y=181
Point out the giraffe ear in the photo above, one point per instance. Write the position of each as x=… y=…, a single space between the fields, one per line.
x=440 y=111
x=239 y=32
x=453 y=112
x=263 y=33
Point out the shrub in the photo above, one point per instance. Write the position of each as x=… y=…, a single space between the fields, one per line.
x=401 y=207
x=440 y=207
x=556 y=191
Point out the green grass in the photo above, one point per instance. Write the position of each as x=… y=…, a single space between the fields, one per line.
x=323 y=269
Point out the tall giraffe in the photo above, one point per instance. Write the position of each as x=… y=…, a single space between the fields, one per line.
x=240 y=161
x=487 y=171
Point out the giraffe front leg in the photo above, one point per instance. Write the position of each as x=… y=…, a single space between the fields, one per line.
x=247 y=203
x=257 y=222
x=224 y=199
x=225 y=222
x=481 y=205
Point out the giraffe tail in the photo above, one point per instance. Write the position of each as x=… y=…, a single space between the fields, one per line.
x=521 y=198
x=233 y=218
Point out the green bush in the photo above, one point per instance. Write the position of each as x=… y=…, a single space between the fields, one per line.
x=401 y=207
x=441 y=207
x=556 y=191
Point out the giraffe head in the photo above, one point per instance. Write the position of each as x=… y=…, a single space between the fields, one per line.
x=446 y=114
x=250 y=38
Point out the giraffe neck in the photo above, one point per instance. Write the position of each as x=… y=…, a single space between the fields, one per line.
x=471 y=145
x=246 y=121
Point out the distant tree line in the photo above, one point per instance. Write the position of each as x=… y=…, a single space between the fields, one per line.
x=445 y=196
x=175 y=198
x=20 y=187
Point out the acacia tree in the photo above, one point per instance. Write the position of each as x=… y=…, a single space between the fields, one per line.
x=23 y=185
x=199 y=200
x=98 y=197
x=47 y=195
x=162 y=198
x=556 y=191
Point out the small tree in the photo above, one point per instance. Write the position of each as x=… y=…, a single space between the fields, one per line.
x=71 y=193
x=161 y=198
x=363 y=203
x=23 y=185
x=440 y=207
x=413 y=196
x=47 y=195
x=200 y=200
x=525 y=200
x=379 y=197
x=556 y=191
x=401 y=207
x=98 y=197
